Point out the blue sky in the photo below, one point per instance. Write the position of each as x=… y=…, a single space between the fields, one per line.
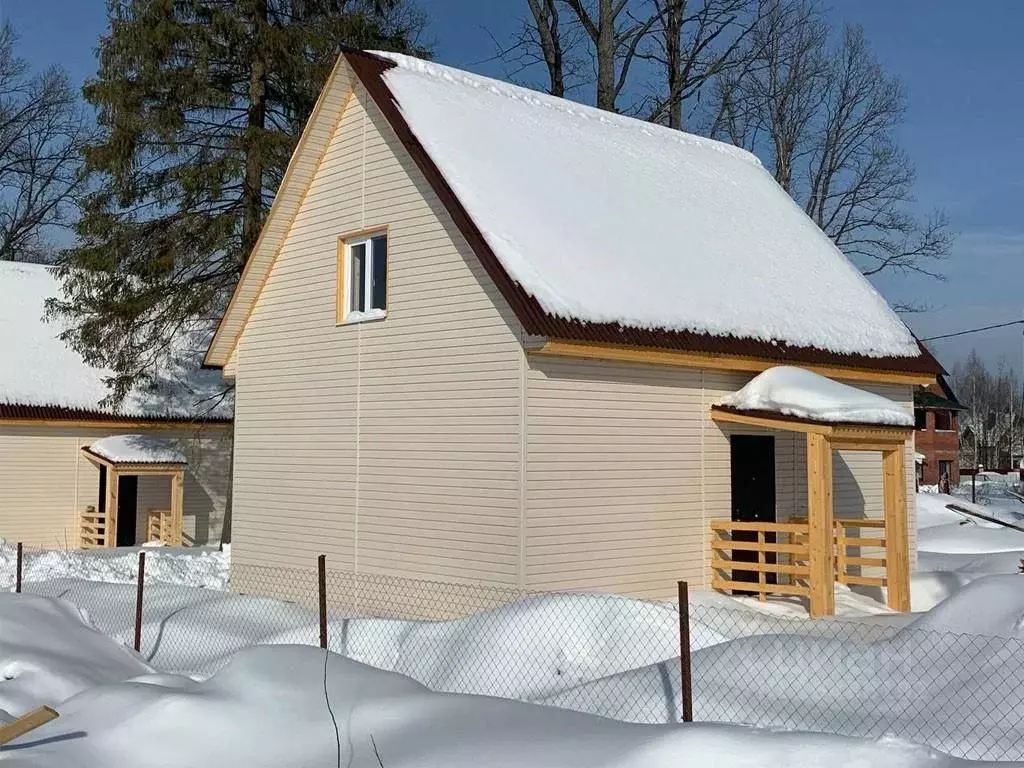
x=964 y=75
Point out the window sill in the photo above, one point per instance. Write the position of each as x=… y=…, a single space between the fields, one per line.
x=354 y=318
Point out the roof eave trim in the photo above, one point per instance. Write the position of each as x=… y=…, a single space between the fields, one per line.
x=28 y=413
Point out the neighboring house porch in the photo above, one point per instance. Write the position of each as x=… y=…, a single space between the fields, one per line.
x=141 y=486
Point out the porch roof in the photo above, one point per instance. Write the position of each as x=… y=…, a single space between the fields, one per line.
x=848 y=435
x=147 y=452
x=797 y=400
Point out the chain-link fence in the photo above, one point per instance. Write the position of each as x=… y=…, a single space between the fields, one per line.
x=612 y=656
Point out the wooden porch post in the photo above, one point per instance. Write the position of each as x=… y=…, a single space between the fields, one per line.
x=110 y=524
x=177 y=506
x=897 y=547
x=820 y=533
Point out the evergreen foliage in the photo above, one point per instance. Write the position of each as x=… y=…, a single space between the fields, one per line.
x=200 y=104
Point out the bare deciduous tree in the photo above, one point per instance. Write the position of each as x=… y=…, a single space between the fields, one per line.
x=42 y=130
x=545 y=38
x=815 y=106
x=545 y=16
x=616 y=32
x=824 y=118
x=992 y=424
x=693 y=42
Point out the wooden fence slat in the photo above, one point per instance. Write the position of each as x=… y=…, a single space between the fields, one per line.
x=728 y=525
x=27 y=722
x=753 y=546
x=722 y=564
x=750 y=586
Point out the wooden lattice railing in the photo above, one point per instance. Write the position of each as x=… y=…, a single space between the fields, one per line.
x=773 y=556
x=845 y=561
x=849 y=534
x=93 y=528
x=158 y=525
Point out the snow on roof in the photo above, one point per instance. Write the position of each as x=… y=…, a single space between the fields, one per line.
x=38 y=369
x=806 y=395
x=919 y=458
x=608 y=219
x=138 y=449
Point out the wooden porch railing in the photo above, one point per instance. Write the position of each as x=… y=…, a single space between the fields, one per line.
x=158 y=525
x=845 y=561
x=849 y=533
x=779 y=557
x=93 y=528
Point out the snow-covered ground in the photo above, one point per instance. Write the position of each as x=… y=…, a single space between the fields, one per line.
x=953 y=548
x=616 y=657
x=192 y=566
x=292 y=706
x=273 y=706
x=951 y=679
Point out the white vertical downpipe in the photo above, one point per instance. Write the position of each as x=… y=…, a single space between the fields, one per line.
x=523 y=457
x=704 y=532
x=363 y=98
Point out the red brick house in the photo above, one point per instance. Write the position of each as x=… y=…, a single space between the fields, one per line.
x=937 y=436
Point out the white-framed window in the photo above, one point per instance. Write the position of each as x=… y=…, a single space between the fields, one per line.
x=365 y=278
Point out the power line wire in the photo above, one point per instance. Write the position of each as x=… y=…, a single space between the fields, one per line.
x=974 y=330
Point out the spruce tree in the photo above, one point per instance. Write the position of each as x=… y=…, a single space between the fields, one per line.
x=200 y=104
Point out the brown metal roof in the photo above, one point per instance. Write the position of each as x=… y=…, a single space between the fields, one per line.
x=536 y=321
x=61 y=413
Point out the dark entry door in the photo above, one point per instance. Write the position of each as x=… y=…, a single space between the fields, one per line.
x=753 y=494
x=127 y=503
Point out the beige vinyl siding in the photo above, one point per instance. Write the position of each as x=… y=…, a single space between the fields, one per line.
x=46 y=481
x=613 y=477
x=904 y=395
x=390 y=446
x=626 y=469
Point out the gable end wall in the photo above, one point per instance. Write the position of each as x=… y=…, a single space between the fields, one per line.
x=390 y=446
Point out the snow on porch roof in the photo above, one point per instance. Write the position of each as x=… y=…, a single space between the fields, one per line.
x=138 y=449
x=801 y=394
x=608 y=220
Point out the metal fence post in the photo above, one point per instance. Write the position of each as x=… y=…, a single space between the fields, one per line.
x=321 y=566
x=973 y=478
x=138 y=601
x=17 y=575
x=685 y=672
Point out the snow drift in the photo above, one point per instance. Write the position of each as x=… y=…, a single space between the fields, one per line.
x=48 y=652
x=991 y=605
x=269 y=707
x=191 y=566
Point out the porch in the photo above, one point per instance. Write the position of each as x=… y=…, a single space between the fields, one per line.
x=805 y=553
x=118 y=518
